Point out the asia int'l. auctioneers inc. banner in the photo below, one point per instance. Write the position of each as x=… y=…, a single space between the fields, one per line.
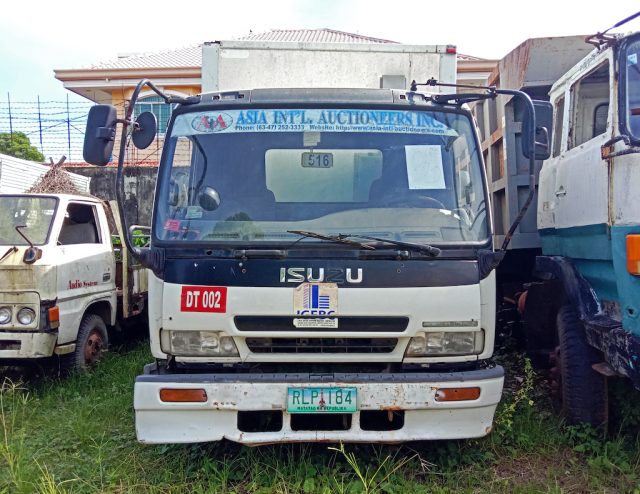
x=311 y=120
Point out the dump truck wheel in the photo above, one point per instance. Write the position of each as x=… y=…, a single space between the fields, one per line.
x=91 y=345
x=581 y=391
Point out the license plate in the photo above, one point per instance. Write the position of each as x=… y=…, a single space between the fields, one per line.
x=321 y=400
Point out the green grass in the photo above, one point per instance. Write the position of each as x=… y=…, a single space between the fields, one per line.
x=77 y=435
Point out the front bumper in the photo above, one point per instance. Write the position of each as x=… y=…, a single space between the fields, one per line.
x=18 y=345
x=228 y=394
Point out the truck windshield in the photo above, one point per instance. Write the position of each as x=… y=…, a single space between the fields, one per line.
x=248 y=177
x=632 y=89
x=35 y=213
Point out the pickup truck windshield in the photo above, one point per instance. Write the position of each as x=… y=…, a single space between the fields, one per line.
x=247 y=177
x=35 y=213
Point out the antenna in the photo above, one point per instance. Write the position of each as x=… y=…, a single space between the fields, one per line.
x=600 y=40
x=622 y=22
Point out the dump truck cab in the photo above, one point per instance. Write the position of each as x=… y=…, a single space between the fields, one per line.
x=588 y=211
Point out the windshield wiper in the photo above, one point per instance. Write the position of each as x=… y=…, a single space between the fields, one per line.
x=339 y=239
x=10 y=251
x=343 y=238
x=429 y=249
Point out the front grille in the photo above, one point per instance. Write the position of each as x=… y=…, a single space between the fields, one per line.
x=321 y=345
x=369 y=324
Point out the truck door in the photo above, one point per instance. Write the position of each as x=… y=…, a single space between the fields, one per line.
x=547 y=180
x=573 y=208
x=581 y=187
x=85 y=266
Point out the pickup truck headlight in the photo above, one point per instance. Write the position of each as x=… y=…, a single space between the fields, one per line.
x=26 y=316
x=425 y=344
x=5 y=315
x=198 y=344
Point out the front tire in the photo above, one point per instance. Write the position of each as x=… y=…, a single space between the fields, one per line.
x=91 y=345
x=581 y=391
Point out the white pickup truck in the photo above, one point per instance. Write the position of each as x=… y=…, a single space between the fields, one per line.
x=64 y=281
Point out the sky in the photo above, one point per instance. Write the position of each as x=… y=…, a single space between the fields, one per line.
x=37 y=37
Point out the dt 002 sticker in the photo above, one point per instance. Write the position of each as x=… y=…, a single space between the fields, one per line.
x=203 y=299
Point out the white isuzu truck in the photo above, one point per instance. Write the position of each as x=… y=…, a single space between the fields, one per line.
x=322 y=264
x=63 y=284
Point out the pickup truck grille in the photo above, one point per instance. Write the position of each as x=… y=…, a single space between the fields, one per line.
x=321 y=345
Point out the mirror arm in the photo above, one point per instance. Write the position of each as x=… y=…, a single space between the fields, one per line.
x=144 y=255
x=607 y=151
x=526 y=99
x=622 y=137
x=492 y=91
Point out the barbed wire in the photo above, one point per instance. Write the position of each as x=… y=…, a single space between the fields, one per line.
x=55 y=127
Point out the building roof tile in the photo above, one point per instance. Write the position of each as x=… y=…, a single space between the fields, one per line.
x=191 y=56
x=312 y=36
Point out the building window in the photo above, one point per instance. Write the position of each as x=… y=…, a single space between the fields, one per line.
x=158 y=107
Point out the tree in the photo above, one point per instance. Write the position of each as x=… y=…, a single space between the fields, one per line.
x=19 y=146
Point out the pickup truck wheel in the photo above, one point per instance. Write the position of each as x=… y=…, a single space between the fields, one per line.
x=91 y=345
x=581 y=392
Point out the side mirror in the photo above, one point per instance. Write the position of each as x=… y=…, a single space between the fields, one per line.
x=544 y=124
x=31 y=255
x=100 y=134
x=144 y=130
x=209 y=199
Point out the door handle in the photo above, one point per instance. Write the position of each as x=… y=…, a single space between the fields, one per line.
x=561 y=191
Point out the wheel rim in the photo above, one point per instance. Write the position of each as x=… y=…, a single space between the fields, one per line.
x=93 y=348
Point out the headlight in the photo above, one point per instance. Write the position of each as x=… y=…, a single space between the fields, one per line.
x=426 y=344
x=198 y=344
x=5 y=315
x=26 y=316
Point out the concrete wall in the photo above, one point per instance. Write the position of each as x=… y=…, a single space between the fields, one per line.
x=139 y=188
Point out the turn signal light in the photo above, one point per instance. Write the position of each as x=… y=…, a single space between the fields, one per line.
x=457 y=394
x=54 y=317
x=633 y=254
x=183 y=395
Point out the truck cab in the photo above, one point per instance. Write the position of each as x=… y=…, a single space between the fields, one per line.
x=58 y=292
x=587 y=206
x=320 y=272
x=589 y=225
